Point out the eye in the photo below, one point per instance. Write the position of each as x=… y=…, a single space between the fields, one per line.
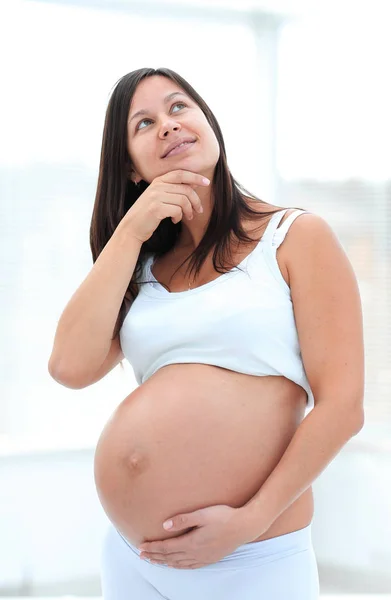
x=139 y=123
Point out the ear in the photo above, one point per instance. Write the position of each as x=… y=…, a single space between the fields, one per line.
x=133 y=176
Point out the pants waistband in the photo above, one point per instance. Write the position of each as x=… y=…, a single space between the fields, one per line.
x=256 y=553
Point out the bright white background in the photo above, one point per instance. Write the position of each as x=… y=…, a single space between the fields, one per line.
x=310 y=99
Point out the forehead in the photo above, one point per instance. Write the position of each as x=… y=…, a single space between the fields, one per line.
x=153 y=89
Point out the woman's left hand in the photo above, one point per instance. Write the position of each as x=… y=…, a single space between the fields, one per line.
x=219 y=531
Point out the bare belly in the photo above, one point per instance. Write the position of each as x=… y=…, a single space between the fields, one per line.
x=193 y=436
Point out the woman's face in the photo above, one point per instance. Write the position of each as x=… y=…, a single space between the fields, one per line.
x=150 y=134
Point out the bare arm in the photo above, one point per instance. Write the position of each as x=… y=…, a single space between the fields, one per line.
x=113 y=358
x=82 y=340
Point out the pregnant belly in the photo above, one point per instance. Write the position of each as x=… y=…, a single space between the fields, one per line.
x=191 y=436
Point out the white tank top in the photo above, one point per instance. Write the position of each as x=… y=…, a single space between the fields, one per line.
x=242 y=321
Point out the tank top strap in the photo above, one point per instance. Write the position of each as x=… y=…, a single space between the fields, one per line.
x=272 y=226
x=275 y=235
x=280 y=233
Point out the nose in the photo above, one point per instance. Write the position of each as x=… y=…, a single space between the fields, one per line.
x=167 y=128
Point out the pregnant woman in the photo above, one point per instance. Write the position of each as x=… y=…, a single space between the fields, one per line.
x=243 y=324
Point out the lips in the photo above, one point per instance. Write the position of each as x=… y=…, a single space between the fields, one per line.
x=176 y=143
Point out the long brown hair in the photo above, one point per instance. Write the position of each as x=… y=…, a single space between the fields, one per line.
x=116 y=193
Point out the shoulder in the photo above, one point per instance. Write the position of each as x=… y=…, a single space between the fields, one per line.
x=307 y=228
x=309 y=235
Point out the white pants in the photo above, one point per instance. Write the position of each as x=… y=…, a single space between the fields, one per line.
x=280 y=568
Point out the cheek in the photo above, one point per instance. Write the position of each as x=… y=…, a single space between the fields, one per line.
x=212 y=144
x=141 y=153
x=131 y=151
x=207 y=133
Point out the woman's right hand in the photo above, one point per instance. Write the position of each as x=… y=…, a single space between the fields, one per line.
x=170 y=195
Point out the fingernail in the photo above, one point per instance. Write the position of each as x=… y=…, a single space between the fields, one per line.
x=167 y=524
x=205 y=180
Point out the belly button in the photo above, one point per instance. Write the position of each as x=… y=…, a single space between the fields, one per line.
x=137 y=462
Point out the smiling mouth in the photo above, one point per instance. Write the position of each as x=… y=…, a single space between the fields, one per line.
x=179 y=149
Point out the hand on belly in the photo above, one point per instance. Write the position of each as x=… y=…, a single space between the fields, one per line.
x=163 y=453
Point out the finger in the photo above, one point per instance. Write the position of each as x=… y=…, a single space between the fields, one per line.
x=183 y=521
x=181 y=176
x=181 y=200
x=167 y=546
x=189 y=192
x=154 y=548
x=187 y=565
x=162 y=556
x=185 y=197
x=179 y=564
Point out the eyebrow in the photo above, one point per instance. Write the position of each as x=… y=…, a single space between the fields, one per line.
x=165 y=100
